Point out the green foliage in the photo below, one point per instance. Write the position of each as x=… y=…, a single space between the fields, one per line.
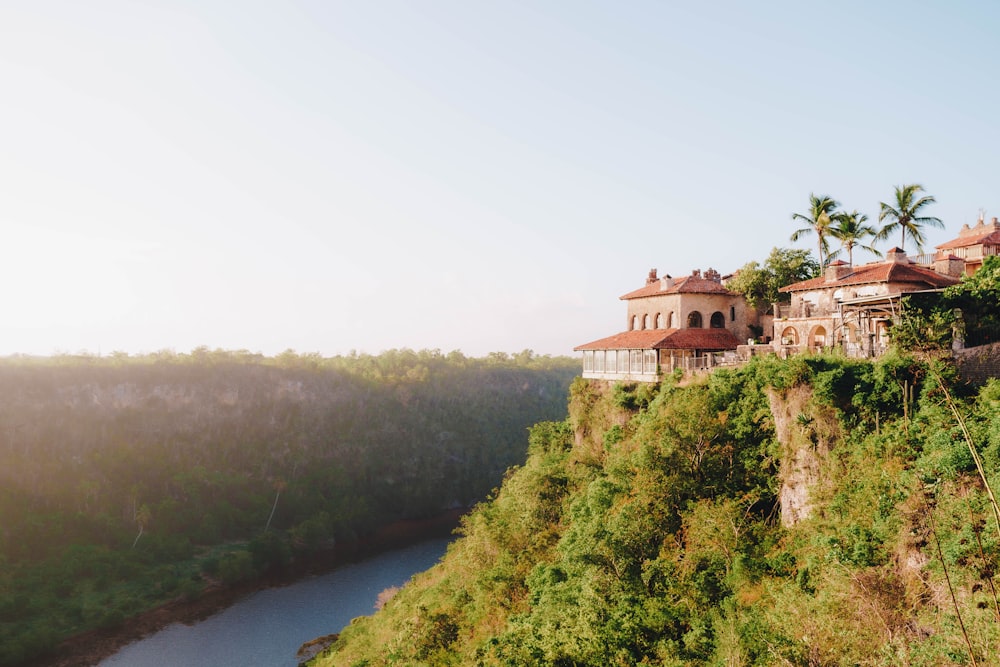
x=760 y=284
x=122 y=475
x=667 y=549
x=969 y=308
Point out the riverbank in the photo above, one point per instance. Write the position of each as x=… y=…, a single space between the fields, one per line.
x=91 y=647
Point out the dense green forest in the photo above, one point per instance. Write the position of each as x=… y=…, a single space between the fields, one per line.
x=812 y=511
x=127 y=481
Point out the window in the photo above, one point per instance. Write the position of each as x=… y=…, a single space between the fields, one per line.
x=635 y=360
x=632 y=323
x=718 y=320
x=671 y=320
x=659 y=320
x=609 y=361
x=732 y=313
x=588 y=360
x=599 y=361
x=694 y=320
x=645 y=321
x=649 y=361
x=623 y=361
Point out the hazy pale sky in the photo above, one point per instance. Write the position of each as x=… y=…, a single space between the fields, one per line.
x=474 y=175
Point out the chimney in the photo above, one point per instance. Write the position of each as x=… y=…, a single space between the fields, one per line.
x=666 y=282
x=651 y=278
x=837 y=270
x=896 y=255
x=696 y=273
x=713 y=275
x=949 y=265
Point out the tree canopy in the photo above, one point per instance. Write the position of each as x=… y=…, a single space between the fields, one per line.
x=904 y=214
x=760 y=284
x=818 y=219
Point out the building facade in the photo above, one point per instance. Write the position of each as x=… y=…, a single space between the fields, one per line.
x=685 y=323
x=973 y=244
x=853 y=307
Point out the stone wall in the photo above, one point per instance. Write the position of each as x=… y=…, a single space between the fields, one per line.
x=976 y=365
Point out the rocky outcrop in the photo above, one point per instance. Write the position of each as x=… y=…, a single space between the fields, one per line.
x=807 y=433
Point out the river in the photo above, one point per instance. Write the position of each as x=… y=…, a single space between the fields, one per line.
x=266 y=628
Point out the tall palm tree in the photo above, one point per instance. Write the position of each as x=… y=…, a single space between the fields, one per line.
x=905 y=215
x=818 y=220
x=850 y=229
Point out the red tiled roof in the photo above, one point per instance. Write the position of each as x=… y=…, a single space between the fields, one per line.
x=686 y=285
x=886 y=272
x=666 y=339
x=991 y=237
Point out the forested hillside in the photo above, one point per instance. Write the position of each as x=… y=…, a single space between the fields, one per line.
x=127 y=481
x=814 y=511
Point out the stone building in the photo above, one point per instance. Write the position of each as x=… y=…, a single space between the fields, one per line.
x=973 y=244
x=853 y=307
x=671 y=323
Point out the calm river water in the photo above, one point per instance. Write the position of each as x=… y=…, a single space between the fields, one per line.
x=267 y=628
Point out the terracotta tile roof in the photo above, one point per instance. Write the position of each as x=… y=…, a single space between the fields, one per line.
x=886 y=272
x=666 y=339
x=685 y=285
x=991 y=237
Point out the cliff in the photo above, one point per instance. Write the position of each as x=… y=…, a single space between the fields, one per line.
x=811 y=511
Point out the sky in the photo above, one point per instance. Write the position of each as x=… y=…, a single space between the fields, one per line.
x=338 y=176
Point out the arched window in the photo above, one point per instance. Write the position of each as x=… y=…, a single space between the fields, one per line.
x=633 y=322
x=789 y=336
x=645 y=321
x=671 y=320
x=694 y=320
x=659 y=320
x=718 y=320
x=817 y=337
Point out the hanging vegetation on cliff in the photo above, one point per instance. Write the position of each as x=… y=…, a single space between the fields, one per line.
x=665 y=534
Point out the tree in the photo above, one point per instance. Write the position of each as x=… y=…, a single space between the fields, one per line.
x=905 y=216
x=818 y=220
x=759 y=285
x=850 y=229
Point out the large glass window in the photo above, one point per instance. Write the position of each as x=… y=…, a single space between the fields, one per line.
x=649 y=361
x=599 y=361
x=609 y=361
x=588 y=360
x=635 y=361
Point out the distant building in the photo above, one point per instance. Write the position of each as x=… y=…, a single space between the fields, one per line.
x=853 y=307
x=973 y=244
x=671 y=323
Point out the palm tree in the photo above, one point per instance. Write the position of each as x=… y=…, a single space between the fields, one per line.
x=851 y=230
x=818 y=220
x=905 y=215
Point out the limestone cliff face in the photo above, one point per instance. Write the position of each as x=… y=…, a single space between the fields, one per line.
x=807 y=433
